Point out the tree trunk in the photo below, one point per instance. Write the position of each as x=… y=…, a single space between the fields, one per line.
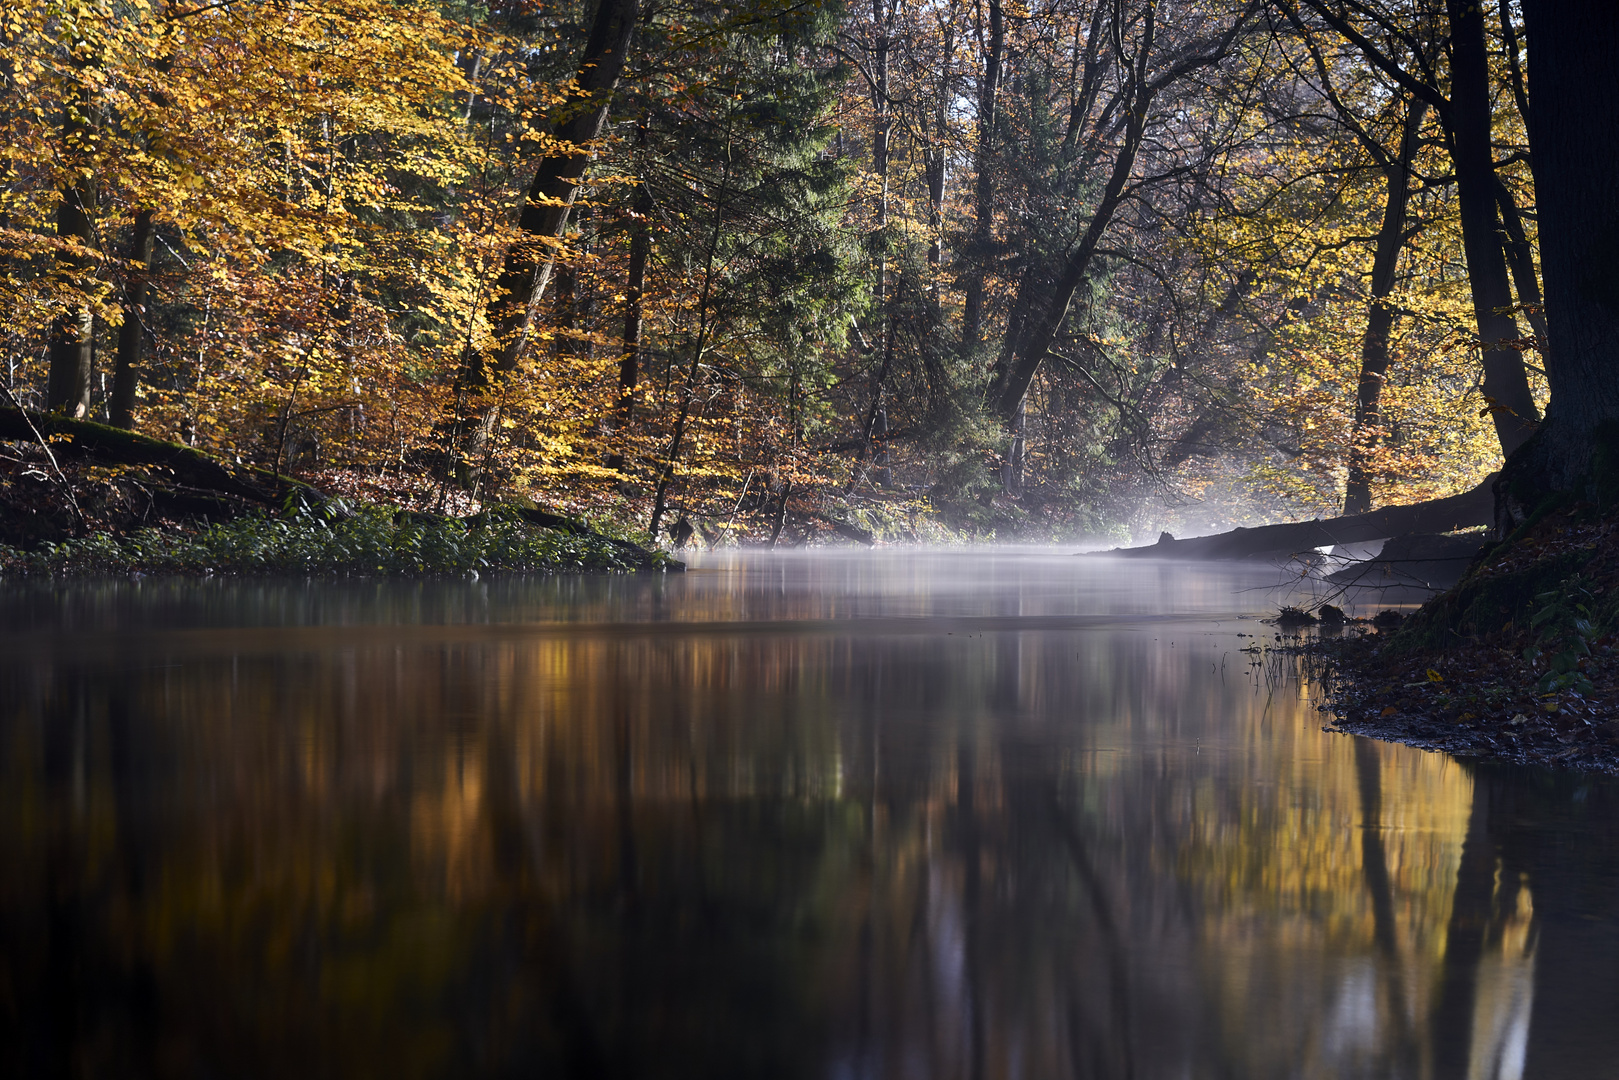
x=629 y=366
x=1374 y=352
x=132 y=335
x=882 y=133
x=938 y=155
x=1505 y=383
x=1007 y=394
x=1521 y=260
x=528 y=264
x=1575 y=144
x=73 y=331
x=972 y=319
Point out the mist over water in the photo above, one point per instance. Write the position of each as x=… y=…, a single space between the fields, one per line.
x=895 y=814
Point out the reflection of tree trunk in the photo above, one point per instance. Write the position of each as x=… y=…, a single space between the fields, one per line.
x=56 y=1030
x=629 y=871
x=135 y=852
x=971 y=885
x=1470 y=911
x=1374 y=863
x=1374 y=866
x=1123 y=1027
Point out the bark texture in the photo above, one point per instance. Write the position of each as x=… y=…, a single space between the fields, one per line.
x=1575 y=143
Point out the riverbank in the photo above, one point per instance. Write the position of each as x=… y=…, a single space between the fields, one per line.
x=105 y=502
x=1515 y=663
x=337 y=539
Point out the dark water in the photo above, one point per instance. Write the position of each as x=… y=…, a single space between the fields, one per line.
x=893 y=815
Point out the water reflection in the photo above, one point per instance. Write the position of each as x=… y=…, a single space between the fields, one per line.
x=875 y=816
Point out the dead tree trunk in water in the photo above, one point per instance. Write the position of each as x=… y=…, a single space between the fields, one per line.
x=1467 y=510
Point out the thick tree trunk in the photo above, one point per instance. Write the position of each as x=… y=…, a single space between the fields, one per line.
x=972 y=318
x=132 y=335
x=1505 y=382
x=1374 y=352
x=1575 y=143
x=528 y=264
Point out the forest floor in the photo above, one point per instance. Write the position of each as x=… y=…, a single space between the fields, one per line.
x=1515 y=663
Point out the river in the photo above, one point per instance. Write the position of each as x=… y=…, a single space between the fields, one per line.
x=973 y=814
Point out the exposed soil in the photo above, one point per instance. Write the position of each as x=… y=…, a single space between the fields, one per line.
x=1516 y=663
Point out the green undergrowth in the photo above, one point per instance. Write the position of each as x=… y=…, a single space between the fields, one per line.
x=341 y=540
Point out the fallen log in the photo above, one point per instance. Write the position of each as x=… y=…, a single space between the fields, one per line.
x=843 y=528
x=1464 y=511
x=647 y=559
x=187 y=467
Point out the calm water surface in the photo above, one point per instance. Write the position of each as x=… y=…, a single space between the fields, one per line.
x=974 y=815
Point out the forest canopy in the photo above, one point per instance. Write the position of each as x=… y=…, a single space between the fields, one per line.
x=1075 y=267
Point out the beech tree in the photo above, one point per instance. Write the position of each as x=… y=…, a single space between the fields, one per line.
x=1574 y=137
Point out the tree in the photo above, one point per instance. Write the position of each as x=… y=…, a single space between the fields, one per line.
x=1147 y=67
x=578 y=123
x=1412 y=61
x=1574 y=137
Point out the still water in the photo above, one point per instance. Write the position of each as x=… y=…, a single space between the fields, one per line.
x=976 y=815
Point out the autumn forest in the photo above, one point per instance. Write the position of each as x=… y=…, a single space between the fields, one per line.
x=986 y=268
